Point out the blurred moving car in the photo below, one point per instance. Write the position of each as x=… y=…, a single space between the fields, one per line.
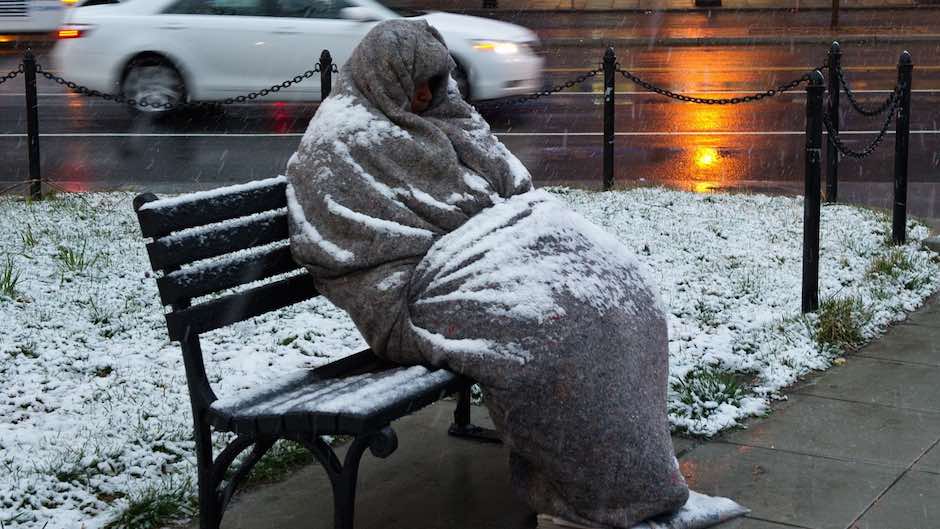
x=32 y=16
x=166 y=51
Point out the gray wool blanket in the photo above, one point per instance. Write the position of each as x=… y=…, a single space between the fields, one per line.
x=427 y=231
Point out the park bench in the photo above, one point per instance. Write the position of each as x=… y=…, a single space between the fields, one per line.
x=221 y=257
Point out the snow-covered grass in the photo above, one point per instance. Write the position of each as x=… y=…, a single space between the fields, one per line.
x=729 y=268
x=94 y=415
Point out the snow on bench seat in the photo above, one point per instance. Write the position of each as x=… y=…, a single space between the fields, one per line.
x=303 y=402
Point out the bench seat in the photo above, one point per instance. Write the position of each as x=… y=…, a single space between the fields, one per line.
x=324 y=402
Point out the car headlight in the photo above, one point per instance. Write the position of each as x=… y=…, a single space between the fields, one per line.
x=498 y=46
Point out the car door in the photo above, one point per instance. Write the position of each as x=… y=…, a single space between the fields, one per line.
x=307 y=27
x=228 y=45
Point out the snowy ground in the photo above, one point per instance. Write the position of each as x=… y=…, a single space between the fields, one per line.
x=94 y=414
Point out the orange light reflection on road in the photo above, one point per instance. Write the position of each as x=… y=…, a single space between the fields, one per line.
x=706 y=157
x=74 y=186
x=705 y=163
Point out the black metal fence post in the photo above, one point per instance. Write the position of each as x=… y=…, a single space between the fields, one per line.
x=32 y=126
x=901 y=145
x=610 y=67
x=814 y=125
x=326 y=74
x=832 y=152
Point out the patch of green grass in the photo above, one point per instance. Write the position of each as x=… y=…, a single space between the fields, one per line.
x=840 y=321
x=28 y=239
x=9 y=279
x=157 y=506
x=891 y=264
x=99 y=315
x=281 y=460
x=747 y=283
x=705 y=388
x=75 y=261
x=79 y=464
x=22 y=517
x=67 y=467
x=707 y=314
x=27 y=349
x=917 y=282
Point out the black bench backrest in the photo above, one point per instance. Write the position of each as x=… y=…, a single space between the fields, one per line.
x=241 y=232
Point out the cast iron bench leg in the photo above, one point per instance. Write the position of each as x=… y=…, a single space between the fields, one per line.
x=463 y=428
x=344 y=477
x=210 y=515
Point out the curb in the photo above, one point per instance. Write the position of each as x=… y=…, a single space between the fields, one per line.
x=740 y=41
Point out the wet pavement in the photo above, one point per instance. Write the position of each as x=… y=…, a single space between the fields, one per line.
x=713 y=24
x=92 y=144
x=856 y=447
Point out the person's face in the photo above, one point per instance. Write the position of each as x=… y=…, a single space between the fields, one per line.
x=422 y=98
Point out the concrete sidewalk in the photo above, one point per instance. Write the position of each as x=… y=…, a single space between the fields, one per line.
x=855 y=447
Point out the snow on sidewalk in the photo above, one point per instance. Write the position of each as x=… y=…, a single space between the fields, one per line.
x=93 y=405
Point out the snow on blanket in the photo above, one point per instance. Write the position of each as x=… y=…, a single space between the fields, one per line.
x=93 y=404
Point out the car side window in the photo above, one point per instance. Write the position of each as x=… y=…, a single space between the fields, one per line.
x=310 y=8
x=250 y=8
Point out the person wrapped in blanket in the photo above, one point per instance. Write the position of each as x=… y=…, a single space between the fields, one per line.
x=413 y=217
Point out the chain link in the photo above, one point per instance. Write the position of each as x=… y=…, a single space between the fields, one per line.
x=118 y=98
x=857 y=106
x=496 y=105
x=708 y=101
x=845 y=150
x=12 y=74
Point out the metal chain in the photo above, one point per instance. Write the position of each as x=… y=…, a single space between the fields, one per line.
x=496 y=105
x=12 y=75
x=858 y=107
x=708 y=101
x=117 y=98
x=845 y=150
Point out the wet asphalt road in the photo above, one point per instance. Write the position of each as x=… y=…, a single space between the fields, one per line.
x=93 y=144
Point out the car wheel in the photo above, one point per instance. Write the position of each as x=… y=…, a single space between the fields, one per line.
x=463 y=80
x=155 y=81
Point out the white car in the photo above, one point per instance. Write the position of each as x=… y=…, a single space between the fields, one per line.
x=32 y=16
x=165 y=51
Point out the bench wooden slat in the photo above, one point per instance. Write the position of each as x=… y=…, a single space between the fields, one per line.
x=179 y=249
x=347 y=403
x=241 y=306
x=301 y=422
x=162 y=217
x=365 y=423
x=198 y=281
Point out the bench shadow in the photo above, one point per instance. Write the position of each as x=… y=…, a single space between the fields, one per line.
x=433 y=481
